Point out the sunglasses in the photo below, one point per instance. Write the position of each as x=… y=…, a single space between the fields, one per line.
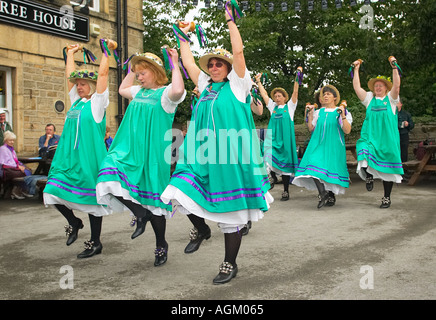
x=216 y=64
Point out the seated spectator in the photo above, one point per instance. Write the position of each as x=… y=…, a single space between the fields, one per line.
x=4 y=125
x=48 y=142
x=10 y=166
x=107 y=138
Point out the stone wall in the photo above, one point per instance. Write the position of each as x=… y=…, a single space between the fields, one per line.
x=38 y=70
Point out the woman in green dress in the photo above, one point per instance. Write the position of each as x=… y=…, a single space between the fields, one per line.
x=378 y=149
x=73 y=174
x=280 y=146
x=136 y=169
x=324 y=164
x=220 y=175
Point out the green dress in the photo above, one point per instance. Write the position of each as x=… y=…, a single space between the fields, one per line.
x=80 y=151
x=220 y=171
x=281 y=148
x=137 y=166
x=325 y=156
x=379 y=142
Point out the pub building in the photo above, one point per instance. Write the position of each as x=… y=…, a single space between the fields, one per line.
x=33 y=86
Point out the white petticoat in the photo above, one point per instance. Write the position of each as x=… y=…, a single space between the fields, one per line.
x=393 y=177
x=108 y=189
x=306 y=181
x=95 y=210
x=270 y=168
x=186 y=205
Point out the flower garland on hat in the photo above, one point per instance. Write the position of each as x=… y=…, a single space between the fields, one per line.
x=84 y=74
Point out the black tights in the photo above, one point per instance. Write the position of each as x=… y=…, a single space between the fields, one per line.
x=320 y=187
x=387 y=185
x=158 y=223
x=232 y=241
x=286 y=180
x=95 y=222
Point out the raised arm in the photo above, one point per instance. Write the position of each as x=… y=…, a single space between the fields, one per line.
x=256 y=105
x=294 y=96
x=126 y=84
x=361 y=93
x=237 y=46
x=262 y=90
x=178 y=86
x=310 y=109
x=395 y=91
x=103 y=70
x=346 y=126
x=70 y=65
x=187 y=57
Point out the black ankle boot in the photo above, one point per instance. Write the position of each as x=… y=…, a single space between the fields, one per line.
x=331 y=200
x=322 y=199
x=227 y=273
x=369 y=183
x=90 y=250
x=161 y=255
x=196 y=239
x=386 y=202
x=140 y=225
x=72 y=232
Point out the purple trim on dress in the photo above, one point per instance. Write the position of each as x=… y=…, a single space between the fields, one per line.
x=63 y=182
x=379 y=163
x=197 y=186
x=71 y=191
x=323 y=171
x=281 y=164
x=135 y=189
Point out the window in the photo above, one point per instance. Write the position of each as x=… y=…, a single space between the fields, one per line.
x=6 y=93
x=94 y=5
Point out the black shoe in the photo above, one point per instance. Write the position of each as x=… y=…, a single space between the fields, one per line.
x=285 y=196
x=331 y=200
x=227 y=273
x=196 y=239
x=272 y=182
x=140 y=224
x=369 y=183
x=322 y=200
x=161 y=256
x=72 y=232
x=90 y=250
x=386 y=202
x=246 y=229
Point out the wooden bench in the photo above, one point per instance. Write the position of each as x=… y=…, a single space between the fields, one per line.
x=424 y=165
x=411 y=165
x=41 y=185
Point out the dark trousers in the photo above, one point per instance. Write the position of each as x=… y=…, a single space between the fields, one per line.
x=404 y=145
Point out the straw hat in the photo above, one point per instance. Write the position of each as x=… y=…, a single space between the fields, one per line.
x=283 y=91
x=150 y=58
x=385 y=80
x=338 y=96
x=216 y=53
x=83 y=74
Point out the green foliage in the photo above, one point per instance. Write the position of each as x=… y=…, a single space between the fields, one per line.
x=323 y=42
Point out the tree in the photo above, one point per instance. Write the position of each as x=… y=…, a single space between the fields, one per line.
x=324 y=43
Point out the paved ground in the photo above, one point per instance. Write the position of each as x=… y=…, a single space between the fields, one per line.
x=353 y=250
